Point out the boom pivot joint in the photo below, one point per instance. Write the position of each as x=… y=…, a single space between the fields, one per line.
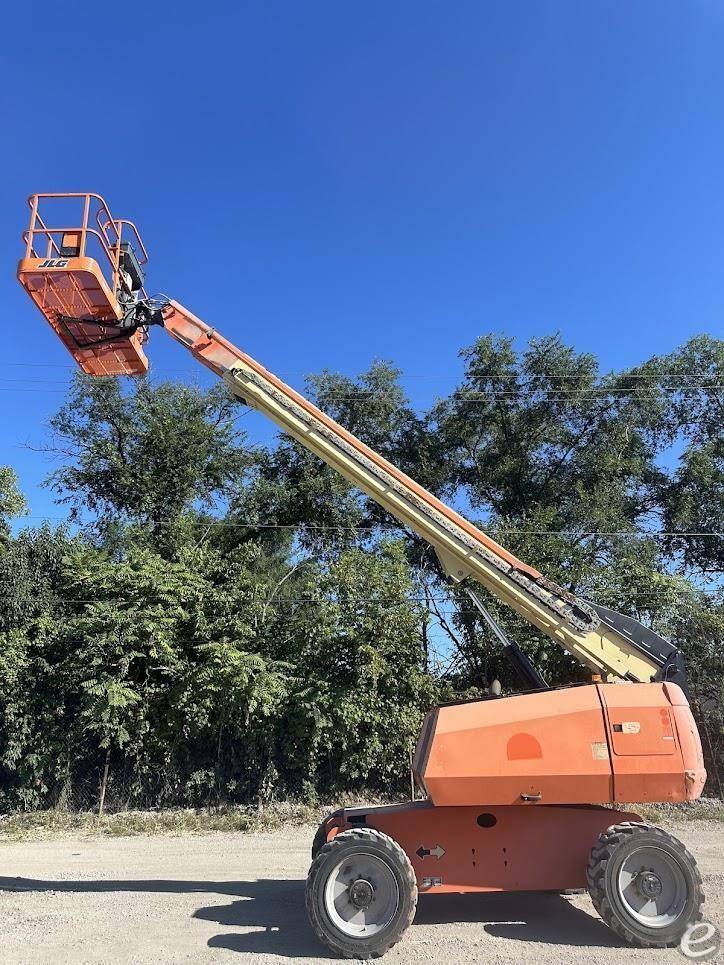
x=139 y=317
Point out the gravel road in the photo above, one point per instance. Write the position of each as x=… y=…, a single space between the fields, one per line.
x=240 y=899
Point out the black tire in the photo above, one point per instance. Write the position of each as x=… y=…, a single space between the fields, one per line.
x=396 y=889
x=667 y=885
x=320 y=838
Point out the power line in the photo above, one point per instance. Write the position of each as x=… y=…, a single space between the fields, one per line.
x=458 y=395
x=250 y=524
x=343 y=601
x=403 y=375
x=446 y=611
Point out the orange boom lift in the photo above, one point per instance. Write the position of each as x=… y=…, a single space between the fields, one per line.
x=517 y=791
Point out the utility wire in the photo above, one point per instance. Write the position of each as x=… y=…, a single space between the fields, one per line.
x=402 y=375
x=552 y=393
x=392 y=528
x=637 y=602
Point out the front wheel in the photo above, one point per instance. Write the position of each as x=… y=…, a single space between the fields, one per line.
x=644 y=884
x=361 y=893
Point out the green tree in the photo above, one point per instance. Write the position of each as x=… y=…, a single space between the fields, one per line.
x=12 y=501
x=105 y=712
x=146 y=454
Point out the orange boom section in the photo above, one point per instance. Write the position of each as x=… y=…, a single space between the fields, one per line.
x=83 y=268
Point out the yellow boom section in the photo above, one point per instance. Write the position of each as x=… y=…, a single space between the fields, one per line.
x=463 y=550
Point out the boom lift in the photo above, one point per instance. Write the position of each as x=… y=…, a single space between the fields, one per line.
x=517 y=791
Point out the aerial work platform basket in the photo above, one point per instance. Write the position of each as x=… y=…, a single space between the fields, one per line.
x=84 y=270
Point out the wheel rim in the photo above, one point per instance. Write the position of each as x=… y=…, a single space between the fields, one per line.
x=361 y=895
x=652 y=887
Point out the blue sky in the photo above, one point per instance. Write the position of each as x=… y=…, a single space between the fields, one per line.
x=331 y=182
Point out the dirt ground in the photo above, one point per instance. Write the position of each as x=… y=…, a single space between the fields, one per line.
x=240 y=899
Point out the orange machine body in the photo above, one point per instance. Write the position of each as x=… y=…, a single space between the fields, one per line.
x=516 y=785
x=600 y=743
x=62 y=273
x=488 y=847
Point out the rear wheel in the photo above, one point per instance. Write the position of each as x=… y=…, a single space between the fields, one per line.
x=361 y=893
x=320 y=837
x=644 y=884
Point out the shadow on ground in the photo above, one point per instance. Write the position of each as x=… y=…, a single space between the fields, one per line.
x=274 y=909
x=531 y=917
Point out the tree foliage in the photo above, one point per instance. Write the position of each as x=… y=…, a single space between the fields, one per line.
x=12 y=502
x=219 y=621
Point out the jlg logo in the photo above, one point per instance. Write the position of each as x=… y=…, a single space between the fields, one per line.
x=54 y=263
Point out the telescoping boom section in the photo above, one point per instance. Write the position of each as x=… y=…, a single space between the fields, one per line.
x=100 y=310
x=463 y=550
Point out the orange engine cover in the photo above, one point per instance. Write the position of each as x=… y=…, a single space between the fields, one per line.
x=597 y=744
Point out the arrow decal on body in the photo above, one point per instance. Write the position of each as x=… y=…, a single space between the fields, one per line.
x=437 y=851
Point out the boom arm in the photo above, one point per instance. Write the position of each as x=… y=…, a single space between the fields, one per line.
x=102 y=316
x=608 y=643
